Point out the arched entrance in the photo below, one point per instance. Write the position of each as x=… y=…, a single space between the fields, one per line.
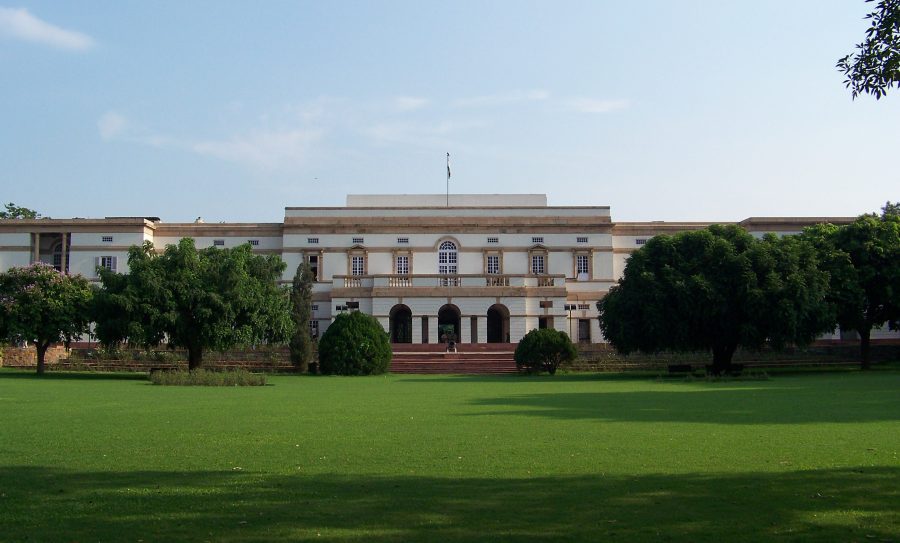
x=498 y=324
x=401 y=324
x=448 y=323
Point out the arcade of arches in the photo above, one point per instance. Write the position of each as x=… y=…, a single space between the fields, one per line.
x=450 y=325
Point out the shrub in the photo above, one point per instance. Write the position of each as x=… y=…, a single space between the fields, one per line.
x=202 y=377
x=354 y=344
x=544 y=350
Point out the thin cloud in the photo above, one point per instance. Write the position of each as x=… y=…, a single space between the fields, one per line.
x=410 y=103
x=420 y=134
x=111 y=125
x=22 y=25
x=267 y=149
x=592 y=105
x=503 y=99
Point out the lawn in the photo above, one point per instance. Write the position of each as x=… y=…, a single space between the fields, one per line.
x=94 y=457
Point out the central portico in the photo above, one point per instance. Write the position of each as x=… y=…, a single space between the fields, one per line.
x=486 y=268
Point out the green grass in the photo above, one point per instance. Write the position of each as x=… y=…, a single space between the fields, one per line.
x=93 y=457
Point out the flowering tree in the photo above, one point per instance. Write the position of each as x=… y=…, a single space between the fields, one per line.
x=43 y=306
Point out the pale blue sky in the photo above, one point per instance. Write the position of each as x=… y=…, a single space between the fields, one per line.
x=231 y=111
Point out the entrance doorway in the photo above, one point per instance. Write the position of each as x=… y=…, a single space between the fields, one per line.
x=401 y=324
x=448 y=323
x=584 y=330
x=498 y=324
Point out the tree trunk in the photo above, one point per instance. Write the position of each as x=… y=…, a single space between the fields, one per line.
x=864 y=351
x=722 y=355
x=195 y=357
x=41 y=352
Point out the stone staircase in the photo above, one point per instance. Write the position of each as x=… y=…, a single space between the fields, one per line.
x=470 y=359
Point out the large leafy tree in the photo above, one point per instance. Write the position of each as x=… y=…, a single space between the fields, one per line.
x=717 y=289
x=301 y=310
x=12 y=211
x=194 y=299
x=863 y=261
x=875 y=67
x=43 y=306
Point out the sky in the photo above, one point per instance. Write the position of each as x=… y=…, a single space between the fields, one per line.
x=662 y=110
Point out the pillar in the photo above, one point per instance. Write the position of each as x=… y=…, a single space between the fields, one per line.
x=434 y=336
x=482 y=329
x=64 y=254
x=465 y=329
x=36 y=252
x=417 y=329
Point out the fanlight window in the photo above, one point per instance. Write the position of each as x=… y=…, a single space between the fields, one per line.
x=447 y=258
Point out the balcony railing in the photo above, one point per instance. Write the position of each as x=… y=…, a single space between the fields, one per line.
x=448 y=281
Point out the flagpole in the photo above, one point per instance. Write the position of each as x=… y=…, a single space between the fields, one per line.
x=448 y=179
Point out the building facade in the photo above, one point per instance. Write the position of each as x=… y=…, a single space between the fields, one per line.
x=477 y=268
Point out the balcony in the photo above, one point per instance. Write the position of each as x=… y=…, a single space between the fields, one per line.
x=429 y=282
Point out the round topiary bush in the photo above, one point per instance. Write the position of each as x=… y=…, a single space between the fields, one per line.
x=544 y=350
x=354 y=344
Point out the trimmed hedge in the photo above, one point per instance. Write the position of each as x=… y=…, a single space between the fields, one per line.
x=201 y=377
x=544 y=350
x=354 y=344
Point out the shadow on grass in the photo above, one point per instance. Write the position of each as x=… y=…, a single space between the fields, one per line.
x=45 y=504
x=73 y=375
x=720 y=403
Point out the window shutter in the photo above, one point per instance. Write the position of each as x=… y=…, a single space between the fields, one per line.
x=115 y=262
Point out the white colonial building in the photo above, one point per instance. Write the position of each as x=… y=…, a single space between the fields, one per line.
x=482 y=268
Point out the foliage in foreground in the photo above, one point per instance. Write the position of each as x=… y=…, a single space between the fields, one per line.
x=863 y=263
x=193 y=299
x=544 y=350
x=201 y=377
x=717 y=289
x=43 y=306
x=354 y=344
x=875 y=67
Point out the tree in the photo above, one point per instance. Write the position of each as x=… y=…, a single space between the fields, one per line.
x=15 y=212
x=863 y=261
x=301 y=310
x=194 y=299
x=43 y=306
x=875 y=67
x=544 y=350
x=717 y=289
x=354 y=344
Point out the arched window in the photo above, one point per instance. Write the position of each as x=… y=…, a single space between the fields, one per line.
x=447 y=258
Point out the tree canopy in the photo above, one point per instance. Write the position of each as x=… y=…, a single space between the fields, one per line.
x=863 y=262
x=301 y=310
x=43 y=306
x=354 y=344
x=875 y=67
x=717 y=289
x=194 y=299
x=12 y=211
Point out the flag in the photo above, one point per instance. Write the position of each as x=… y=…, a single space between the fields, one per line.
x=448 y=165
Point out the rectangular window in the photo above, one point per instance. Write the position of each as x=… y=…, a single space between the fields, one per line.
x=493 y=264
x=582 y=264
x=537 y=239
x=640 y=241
x=581 y=239
x=403 y=265
x=537 y=264
x=493 y=240
x=314 y=328
x=253 y=242
x=313 y=261
x=358 y=240
x=402 y=240
x=218 y=242
x=107 y=239
x=108 y=262
x=312 y=241
x=315 y=307
x=358 y=265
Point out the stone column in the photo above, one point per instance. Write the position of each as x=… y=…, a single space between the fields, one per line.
x=433 y=335
x=465 y=329
x=64 y=254
x=36 y=253
x=482 y=329
x=417 y=329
